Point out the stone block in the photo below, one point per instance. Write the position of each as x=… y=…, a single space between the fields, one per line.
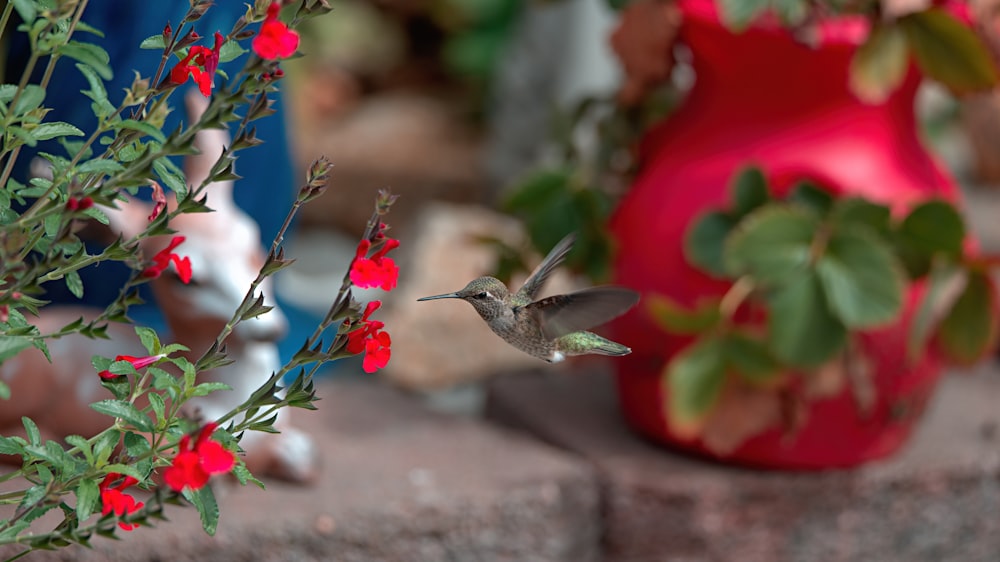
x=399 y=483
x=937 y=500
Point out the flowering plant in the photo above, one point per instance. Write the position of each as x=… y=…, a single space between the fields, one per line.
x=150 y=443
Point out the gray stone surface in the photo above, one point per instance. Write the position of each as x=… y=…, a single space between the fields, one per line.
x=399 y=483
x=937 y=500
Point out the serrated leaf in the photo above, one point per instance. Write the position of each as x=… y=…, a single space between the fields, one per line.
x=705 y=240
x=770 y=244
x=99 y=166
x=861 y=278
x=74 y=284
x=749 y=190
x=879 y=65
x=87 y=499
x=92 y=55
x=969 y=330
x=677 y=319
x=80 y=443
x=203 y=500
x=801 y=329
x=46 y=131
x=149 y=339
x=32 y=96
x=12 y=345
x=693 y=380
x=159 y=407
x=948 y=51
x=125 y=411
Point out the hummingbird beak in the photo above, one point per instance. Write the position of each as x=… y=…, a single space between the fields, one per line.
x=444 y=296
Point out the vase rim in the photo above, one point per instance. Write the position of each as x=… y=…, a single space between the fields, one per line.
x=846 y=30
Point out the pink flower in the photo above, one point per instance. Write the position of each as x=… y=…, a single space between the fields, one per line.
x=115 y=500
x=193 y=465
x=200 y=63
x=275 y=40
x=377 y=271
x=162 y=259
x=159 y=201
x=137 y=362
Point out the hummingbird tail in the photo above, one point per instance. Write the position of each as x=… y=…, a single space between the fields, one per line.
x=581 y=343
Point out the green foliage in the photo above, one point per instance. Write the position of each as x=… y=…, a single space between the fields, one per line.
x=820 y=268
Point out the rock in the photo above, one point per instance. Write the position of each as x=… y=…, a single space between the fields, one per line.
x=399 y=483
x=441 y=343
x=936 y=500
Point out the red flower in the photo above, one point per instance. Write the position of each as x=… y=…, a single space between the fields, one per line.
x=162 y=259
x=377 y=271
x=115 y=500
x=193 y=465
x=137 y=362
x=370 y=339
x=159 y=201
x=275 y=40
x=200 y=62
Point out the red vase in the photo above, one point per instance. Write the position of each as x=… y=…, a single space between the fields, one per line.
x=766 y=98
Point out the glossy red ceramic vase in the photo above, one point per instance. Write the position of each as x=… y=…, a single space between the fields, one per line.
x=766 y=98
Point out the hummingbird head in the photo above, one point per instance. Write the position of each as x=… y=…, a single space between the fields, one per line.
x=487 y=295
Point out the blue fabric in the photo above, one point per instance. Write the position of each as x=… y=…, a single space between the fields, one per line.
x=267 y=188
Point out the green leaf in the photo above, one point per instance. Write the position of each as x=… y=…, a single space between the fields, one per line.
x=87 y=496
x=879 y=65
x=694 y=380
x=705 y=241
x=538 y=187
x=801 y=330
x=46 y=131
x=206 y=388
x=74 y=284
x=99 y=166
x=862 y=280
x=31 y=431
x=942 y=276
x=810 y=196
x=749 y=190
x=138 y=447
x=80 y=443
x=771 y=243
x=750 y=358
x=149 y=339
x=948 y=51
x=26 y=9
x=159 y=407
x=932 y=228
x=208 y=509
x=4 y=391
x=12 y=345
x=31 y=97
x=230 y=50
x=969 y=330
x=142 y=127
x=125 y=411
x=89 y=54
x=739 y=14
x=791 y=12
x=855 y=212
x=153 y=42
x=676 y=319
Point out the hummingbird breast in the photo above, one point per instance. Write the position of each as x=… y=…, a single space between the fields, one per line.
x=522 y=332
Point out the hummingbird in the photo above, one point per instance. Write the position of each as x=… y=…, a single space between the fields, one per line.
x=551 y=328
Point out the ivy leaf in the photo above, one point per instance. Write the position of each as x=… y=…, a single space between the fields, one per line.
x=693 y=382
x=771 y=244
x=705 y=241
x=862 y=280
x=801 y=329
x=969 y=330
x=948 y=51
x=879 y=65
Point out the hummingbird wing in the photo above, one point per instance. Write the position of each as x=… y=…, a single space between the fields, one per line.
x=563 y=314
x=526 y=294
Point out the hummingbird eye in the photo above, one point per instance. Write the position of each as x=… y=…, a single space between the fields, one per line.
x=480 y=296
